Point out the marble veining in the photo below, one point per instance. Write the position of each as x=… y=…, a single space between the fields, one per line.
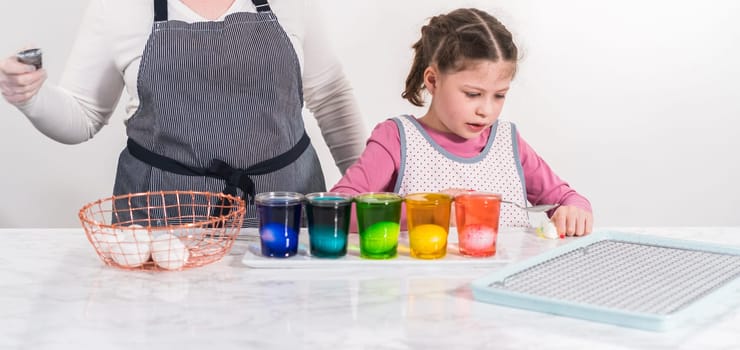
x=55 y=293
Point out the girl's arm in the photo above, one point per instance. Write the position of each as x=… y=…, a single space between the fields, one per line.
x=377 y=168
x=574 y=217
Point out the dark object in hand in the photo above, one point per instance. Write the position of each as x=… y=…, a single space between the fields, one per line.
x=30 y=56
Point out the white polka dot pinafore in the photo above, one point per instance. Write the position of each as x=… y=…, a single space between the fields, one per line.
x=427 y=167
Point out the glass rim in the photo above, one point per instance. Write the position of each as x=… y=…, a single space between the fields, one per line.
x=278 y=197
x=479 y=194
x=412 y=197
x=341 y=197
x=392 y=196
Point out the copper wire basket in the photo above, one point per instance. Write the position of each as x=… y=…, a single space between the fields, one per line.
x=168 y=230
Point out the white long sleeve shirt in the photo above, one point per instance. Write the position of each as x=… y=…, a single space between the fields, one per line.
x=107 y=52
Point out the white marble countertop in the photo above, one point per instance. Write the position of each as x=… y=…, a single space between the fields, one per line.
x=55 y=293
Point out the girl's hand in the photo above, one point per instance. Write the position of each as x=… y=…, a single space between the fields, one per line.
x=572 y=221
x=19 y=82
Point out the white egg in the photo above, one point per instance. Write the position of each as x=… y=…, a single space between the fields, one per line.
x=190 y=236
x=169 y=252
x=103 y=242
x=548 y=230
x=132 y=247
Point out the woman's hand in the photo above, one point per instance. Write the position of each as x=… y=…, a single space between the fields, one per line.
x=572 y=221
x=19 y=82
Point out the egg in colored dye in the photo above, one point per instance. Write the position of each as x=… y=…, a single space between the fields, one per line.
x=380 y=238
x=327 y=241
x=428 y=240
x=477 y=240
x=278 y=240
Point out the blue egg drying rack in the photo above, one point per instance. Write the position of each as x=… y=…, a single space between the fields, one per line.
x=631 y=280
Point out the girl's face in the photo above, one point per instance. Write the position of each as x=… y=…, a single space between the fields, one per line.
x=469 y=101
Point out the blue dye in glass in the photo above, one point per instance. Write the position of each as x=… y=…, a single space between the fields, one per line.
x=280 y=225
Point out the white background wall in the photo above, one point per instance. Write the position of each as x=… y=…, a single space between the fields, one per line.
x=635 y=103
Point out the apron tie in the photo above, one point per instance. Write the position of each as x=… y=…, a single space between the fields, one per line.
x=235 y=178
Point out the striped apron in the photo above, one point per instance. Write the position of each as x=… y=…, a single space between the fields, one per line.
x=220 y=111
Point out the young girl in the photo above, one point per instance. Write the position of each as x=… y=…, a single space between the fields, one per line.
x=466 y=60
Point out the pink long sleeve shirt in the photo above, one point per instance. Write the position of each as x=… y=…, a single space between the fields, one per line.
x=377 y=168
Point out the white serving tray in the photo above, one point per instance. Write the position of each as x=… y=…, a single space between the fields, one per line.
x=303 y=260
